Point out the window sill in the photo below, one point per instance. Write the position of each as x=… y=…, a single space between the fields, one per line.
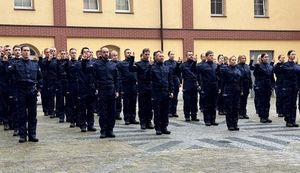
x=261 y=16
x=24 y=9
x=124 y=12
x=213 y=15
x=92 y=11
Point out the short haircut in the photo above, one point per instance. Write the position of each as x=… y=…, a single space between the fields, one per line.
x=16 y=46
x=209 y=52
x=145 y=50
x=290 y=52
x=83 y=49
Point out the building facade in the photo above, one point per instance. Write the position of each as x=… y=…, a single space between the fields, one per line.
x=230 y=27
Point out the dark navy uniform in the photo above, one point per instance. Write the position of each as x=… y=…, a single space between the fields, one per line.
x=143 y=69
x=209 y=91
x=128 y=89
x=28 y=81
x=189 y=75
x=263 y=85
x=86 y=92
x=220 y=99
x=4 y=78
x=290 y=72
x=49 y=70
x=232 y=79
x=246 y=87
x=107 y=83
x=174 y=68
x=118 y=101
x=162 y=86
x=278 y=88
x=199 y=87
x=62 y=96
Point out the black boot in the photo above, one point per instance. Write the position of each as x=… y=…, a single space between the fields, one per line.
x=22 y=139
x=92 y=129
x=110 y=134
x=33 y=139
x=102 y=134
x=165 y=131
x=16 y=133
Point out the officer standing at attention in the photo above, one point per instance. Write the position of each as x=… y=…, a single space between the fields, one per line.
x=128 y=89
x=107 y=83
x=174 y=68
x=264 y=83
x=290 y=72
x=209 y=88
x=4 y=78
x=143 y=68
x=162 y=90
x=115 y=59
x=232 y=79
x=203 y=60
x=278 y=85
x=29 y=81
x=246 y=86
x=189 y=75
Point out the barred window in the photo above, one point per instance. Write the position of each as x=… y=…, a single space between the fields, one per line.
x=260 y=7
x=217 y=7
x=24 y=4
x=91 y=5
x=123 y=6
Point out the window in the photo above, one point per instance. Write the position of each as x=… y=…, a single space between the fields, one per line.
x=91 y=5
x=23 y=4
x=260 y=8
x=217 y=7
x=123 y=6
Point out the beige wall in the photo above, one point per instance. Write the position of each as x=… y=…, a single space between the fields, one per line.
x=243 y=47
x=135 y=45
x=41 y=15
x=240 y=15
x=172 y=13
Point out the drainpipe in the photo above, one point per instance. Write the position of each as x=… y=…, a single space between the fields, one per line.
x=161 y=26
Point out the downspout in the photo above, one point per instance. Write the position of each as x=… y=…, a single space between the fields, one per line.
x=161 y=26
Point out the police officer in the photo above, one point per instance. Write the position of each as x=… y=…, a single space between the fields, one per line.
x=189 y=75
x=29 y=81
x=290 y=72
x=4 y=78
x=115 y=59
x=174 y=68
x=162 y=90
x=128 y=89
x=209 y=88
x=232 y=79
x=72 y=76
x=220 y=101
x=278 y=85
x=106 y=79
x=264 y=83
x=49 y=67
x=143 y=69
x=246 y=86
x=86 y=92
x=203 y=60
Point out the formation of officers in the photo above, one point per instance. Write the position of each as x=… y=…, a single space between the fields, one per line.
x=73 y=88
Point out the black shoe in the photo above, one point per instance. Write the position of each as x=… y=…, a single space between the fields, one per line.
x=52 y=116
x=72 y=125
x=143 y=126
x=221 y=113
x=231 y=128
x=269 y=121
x=289 y=125
x=187 y=119
x=92 y=129
x=295 y=125
x=110 y=134
x=214 y=124
x=118 y=118
x=236 y=128
x=165 y=131
x=208 y=124
x=280 y=115
x=246 y=117
x=103 y=135
x=61 y=120
x=241 y=117
x=6 y=127
x=134 y=122
x=158 y=132
x=150 y=126
x=45 y=114
x=33 y=139
x=16 y=133
x=22 y=140
x=83 y=129
x=1 y=122
x=262 y=120
x=175 y=115
x=195 y=119
x=127 y=123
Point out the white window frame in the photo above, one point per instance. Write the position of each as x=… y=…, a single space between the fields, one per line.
x=93 y=10
x=124 y=11
x=223 y=9
x=264 y=9
x=22 y=7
